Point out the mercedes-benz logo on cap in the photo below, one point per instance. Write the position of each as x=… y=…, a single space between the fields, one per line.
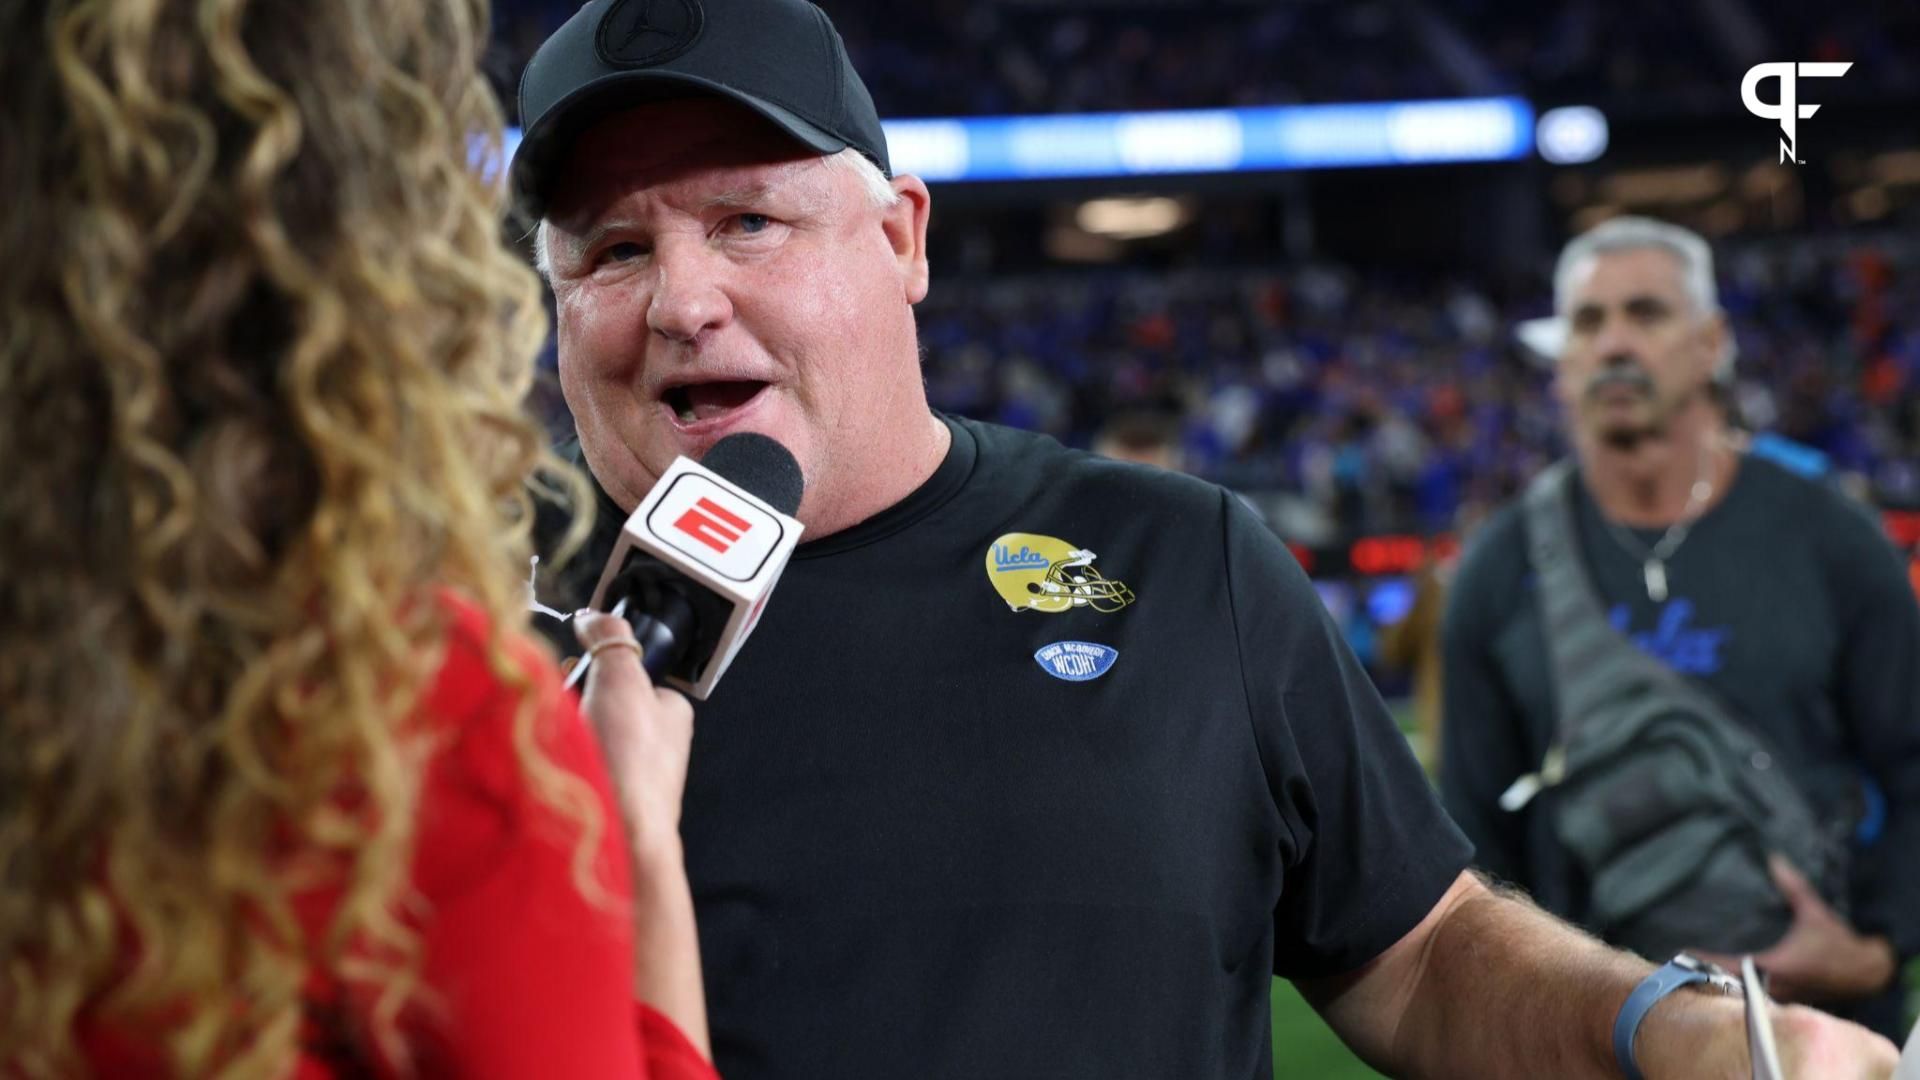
x=642 y=33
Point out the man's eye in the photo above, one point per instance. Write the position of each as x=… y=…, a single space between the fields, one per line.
x=621 y=252
x=752 y=223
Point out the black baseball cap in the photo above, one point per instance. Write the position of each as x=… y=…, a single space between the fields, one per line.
x=781 y=58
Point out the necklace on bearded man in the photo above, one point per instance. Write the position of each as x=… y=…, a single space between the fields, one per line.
x=1653 y=560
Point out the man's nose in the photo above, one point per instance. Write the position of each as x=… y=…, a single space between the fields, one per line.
x=687 y=296
x=1616 y=344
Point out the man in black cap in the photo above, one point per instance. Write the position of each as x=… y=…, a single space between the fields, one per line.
x=1039 y=764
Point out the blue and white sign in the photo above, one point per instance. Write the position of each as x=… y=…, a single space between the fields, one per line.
x=1212 y=140
x=1162 y=142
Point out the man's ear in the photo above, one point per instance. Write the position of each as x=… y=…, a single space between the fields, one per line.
x=905 y=223
x=1719 y=343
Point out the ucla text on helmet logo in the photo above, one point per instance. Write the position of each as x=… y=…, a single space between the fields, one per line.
x=1024 y=559
x=1045 y=573
x=1076 y=661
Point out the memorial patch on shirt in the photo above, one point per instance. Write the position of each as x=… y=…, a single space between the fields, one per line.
x=1076 y=661
x=1045 y=573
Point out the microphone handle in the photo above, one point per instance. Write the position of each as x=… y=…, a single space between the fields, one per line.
x=661 y=615
x=657 y=644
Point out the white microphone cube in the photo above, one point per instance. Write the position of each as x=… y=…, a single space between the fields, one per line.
x=719 y=536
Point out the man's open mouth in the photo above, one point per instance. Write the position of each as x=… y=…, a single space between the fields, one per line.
x=699 y=402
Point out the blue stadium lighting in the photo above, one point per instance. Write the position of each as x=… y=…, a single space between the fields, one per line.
x=1283 y=137
x=1093 y=145
x=1573 y=134
x=510 y=144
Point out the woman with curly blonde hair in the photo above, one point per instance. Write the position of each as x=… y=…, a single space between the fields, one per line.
x=281 y=791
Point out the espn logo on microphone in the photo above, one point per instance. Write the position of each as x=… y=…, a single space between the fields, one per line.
x=714 y=526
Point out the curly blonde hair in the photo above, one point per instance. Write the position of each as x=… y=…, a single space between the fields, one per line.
x=262 y=363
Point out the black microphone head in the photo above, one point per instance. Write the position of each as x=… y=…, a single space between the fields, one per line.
x=760 y=465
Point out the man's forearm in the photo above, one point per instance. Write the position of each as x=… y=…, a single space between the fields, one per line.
x=1490 y=986
x=1507 y=990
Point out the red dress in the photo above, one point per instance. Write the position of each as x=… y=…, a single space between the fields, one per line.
x=527 y=977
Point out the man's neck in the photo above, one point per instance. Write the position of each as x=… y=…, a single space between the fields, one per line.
x=1650 y=483
x=911 y=458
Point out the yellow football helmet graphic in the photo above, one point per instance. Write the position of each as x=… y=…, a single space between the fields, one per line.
x=1044 y=573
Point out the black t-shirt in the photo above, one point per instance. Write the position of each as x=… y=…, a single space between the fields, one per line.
x=1785 y=601
x=1045 y=771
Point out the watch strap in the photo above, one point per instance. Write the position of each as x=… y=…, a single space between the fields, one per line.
x=1682 y=970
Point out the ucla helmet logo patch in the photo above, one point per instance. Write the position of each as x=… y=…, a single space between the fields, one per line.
x=1044 y=573
x=1076 y=661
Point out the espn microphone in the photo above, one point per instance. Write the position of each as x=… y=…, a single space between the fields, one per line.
x=698 y=558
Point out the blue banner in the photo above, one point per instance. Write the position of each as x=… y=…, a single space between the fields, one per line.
x=1094 y=145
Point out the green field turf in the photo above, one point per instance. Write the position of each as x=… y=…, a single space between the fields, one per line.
x=1303 y=1047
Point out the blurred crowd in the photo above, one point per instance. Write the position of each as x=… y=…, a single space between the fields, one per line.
x=1678 y=57
x=1389 y=404
x=968 y=57
x=962 y=57
x=1379 y=401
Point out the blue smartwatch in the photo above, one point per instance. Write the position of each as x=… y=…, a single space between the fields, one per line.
x=1682 y=970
